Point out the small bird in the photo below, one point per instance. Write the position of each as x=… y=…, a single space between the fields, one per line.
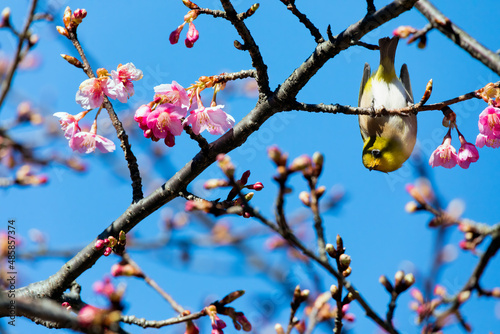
x=388 y=141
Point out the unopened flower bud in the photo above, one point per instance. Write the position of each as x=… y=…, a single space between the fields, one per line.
x=334 y=291
x=244 y=177
x=348 y=298
x=300 y=163
x=107 y=251
x=463 y=296
x=229 y=298
x=318 y=160
x=331 y=250
x=274 y=153
x=347 y=272
x=99 y=244
x=279 y=329
x=72 y=60
x=398 y=277
x=344 y=260
x=33 y=39
x=120 y=269
x=174 y=35
x=408 y=280
x=67 y=17
x=62 y=31
x=257 y=186
x=404 y=31
x=440 y=290
x=340 y=244
x=305 y=198
x=249 y=196
x=79 y=14
x=427 y=93
x=5 y=19
x=320 y=191
x=190 y=4
x=495 y=292
x=215 y=183
x=252 y=9
x=385 y=282
x=226 y=165
x=411 y=206
x=413 y=191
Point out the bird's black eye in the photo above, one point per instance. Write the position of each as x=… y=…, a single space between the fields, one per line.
x=376 y=153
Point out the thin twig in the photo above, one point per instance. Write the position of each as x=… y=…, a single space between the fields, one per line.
x=290 y=5
x=23 y=36
x=178 y=308
x=460 y=37
x=133 y=320
x=251 y=46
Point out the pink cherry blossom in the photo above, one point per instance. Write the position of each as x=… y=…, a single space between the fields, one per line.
x=165 y=122
x=489 y=128
x=192 y=35
x=90 y=94
x=122 y=78
x=213 y=119
x=482 y=140
x=141 y=116
x=69 y=123
x=467 y=153
x=489 y=122
x=86 y=142
x=445 y=155
x=172 y=93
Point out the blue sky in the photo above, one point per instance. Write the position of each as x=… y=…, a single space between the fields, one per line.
x=378 y=234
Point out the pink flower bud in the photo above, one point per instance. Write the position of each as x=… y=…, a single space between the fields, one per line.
x=99 y=244
x=192 y=35
x=107 y=251
x=257 y=186
x=244 y=178
x=174 y=35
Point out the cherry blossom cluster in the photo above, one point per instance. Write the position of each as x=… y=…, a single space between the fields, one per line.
x=445 y=154
x=90 y=95
x=489 y=133
x=165 y=116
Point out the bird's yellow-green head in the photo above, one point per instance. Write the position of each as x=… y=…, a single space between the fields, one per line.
x=383 y=154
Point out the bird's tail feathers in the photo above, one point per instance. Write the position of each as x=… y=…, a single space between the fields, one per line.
x=388 y=51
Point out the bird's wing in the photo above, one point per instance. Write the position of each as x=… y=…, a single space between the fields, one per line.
x=366 y=76
x=404 y=76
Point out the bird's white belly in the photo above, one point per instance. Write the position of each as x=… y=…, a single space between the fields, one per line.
x=390 y=96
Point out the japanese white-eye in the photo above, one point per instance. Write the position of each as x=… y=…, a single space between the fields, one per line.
x=388 y=141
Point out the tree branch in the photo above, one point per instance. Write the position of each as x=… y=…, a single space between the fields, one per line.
x=23 y=36
x=458 y=36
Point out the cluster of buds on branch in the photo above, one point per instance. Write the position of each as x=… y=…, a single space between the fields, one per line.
x=111 y=244
x=96 y=319
x=219 y=307
x=231 y=205
x=343 y=260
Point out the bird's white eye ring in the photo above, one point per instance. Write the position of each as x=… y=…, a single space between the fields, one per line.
x=376 y=153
